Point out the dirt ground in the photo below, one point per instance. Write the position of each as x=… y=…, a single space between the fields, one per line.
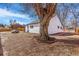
x=1 y=50
x=25 y=44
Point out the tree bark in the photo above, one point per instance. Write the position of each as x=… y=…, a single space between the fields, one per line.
x=45 y=15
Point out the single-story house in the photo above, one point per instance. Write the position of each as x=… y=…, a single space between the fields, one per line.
x=55 y=26
x=33 y=27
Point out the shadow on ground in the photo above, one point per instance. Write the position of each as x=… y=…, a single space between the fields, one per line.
x=65 y=34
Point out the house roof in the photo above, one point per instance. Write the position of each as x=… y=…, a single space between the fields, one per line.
x=34 y=22
x=18 y=25
x=38 y=21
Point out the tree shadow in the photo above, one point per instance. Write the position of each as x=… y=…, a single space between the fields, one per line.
x=64 y=34
x=73 y=41
x=67 y=41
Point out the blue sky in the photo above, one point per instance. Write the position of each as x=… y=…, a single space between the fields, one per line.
x=17 y=12
x=14 y=12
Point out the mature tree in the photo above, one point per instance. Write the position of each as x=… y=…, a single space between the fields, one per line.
x=75 y=14
x=73 y=8
x=44 y=12
x=62 y=11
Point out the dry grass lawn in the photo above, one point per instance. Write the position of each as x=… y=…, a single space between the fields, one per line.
x=24 y=44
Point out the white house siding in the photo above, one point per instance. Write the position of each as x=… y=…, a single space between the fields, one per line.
x=26 y=28
x=52 y=28
x=54 y=24
x=35 y=29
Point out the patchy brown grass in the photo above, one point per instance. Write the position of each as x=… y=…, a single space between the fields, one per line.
x=25 y=44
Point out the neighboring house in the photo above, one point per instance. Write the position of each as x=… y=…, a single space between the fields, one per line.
x=18 y=26
x=55 y=26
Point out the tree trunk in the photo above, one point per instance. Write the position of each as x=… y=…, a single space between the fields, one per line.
x=44 y=31
x=45 y=14
x=44 y=23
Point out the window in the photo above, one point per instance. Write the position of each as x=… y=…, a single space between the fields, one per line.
x=31 y=26
x=58 y=27
x=61 y=27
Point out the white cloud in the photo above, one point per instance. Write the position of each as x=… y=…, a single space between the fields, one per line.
x=4 y=12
